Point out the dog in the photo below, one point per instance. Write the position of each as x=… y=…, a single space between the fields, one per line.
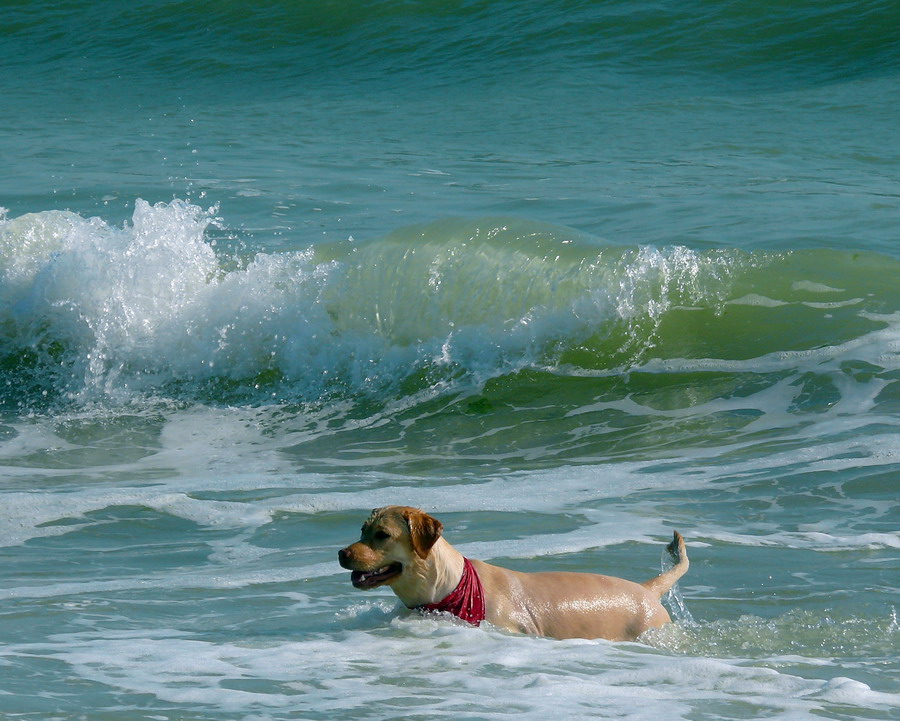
x=403 y=548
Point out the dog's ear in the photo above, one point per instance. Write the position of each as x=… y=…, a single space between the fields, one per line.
x=424 y=530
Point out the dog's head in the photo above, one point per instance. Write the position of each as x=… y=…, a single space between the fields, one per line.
x=393 y=538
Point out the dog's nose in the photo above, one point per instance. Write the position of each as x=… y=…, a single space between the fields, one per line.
x=343 y=558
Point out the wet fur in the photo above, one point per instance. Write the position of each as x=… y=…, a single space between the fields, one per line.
x=404 y=548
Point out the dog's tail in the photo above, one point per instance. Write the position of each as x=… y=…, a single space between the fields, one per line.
x=664 y=581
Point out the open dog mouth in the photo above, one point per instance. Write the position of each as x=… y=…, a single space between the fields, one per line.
x=371 y=579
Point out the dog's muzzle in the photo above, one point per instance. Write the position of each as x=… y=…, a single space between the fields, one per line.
x=367 y=579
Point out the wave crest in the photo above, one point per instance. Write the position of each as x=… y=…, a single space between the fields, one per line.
x=90 y=310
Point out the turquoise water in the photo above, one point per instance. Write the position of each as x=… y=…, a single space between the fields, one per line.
x=567 y=275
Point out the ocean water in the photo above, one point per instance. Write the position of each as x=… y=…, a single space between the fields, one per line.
x=567 y=275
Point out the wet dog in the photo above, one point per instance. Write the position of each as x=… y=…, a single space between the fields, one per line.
x=403 y=548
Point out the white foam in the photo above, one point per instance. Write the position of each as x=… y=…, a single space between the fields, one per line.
x=443 y=671
x=815 y=541
x=754 y=299
x=812 y=287
x=204 y=450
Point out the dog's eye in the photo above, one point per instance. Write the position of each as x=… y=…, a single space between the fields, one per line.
x=382 y=535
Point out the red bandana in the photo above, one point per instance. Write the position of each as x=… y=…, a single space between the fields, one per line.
x=466 y=601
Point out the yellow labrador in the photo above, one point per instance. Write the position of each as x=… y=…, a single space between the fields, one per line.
x=402 y=547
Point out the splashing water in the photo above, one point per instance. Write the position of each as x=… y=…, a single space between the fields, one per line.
x=673 y=599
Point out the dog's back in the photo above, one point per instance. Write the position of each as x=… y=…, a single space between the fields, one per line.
x=569 y=605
